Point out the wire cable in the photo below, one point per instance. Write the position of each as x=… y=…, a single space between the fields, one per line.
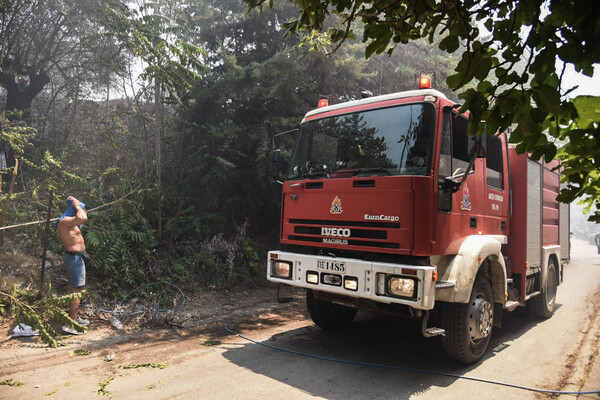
x=396 y=367
x=56 y=219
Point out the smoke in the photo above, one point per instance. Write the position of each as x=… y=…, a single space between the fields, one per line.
x=581 y=228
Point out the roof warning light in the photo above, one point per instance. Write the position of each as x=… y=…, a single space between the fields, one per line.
x=424 y=82
x=323 y=103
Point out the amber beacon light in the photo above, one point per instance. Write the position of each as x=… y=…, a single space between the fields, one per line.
x=424 y=82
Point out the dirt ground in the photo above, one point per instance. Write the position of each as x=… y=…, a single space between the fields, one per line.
x=194 y=307
x=197 y=306
x=204 y=315
x=200 y=322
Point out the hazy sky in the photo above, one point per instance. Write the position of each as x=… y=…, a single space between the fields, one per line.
x=587 y=85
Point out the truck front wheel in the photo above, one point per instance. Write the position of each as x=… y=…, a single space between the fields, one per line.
x=328 y=315
x=543 y=304
x=469 y=326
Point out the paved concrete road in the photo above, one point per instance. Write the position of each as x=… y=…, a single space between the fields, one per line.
x=560 y=354
x=555 y=354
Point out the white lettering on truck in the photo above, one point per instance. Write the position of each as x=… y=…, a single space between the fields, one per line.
x=496 y=197
x=335 y=241
x=392 y=218
x=337 y=232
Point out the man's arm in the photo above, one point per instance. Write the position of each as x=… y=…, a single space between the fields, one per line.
x=80 y=216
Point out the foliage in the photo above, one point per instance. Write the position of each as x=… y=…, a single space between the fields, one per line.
x=16 y=134
x=11 y=382
x=510 y=48
x=154 y=36
x=224 y=262
x=580 y=154
x=38 y=313
x=147 y=365
x=46 y=173
x=119 y=245
x=81 y=352
x=102 y=389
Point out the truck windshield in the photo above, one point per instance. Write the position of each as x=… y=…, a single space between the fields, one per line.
x=387 y=141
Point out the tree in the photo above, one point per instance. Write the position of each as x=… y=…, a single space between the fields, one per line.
x=515 y=51
x=50 y=39
x=152 y=34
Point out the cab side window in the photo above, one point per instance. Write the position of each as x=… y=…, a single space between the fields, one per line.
x=454 y=157
x=445 y=168
x=495 y=165
x=460 y=156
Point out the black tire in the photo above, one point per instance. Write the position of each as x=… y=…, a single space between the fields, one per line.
x=542 y=305
x=469 y=326
x=328 y=315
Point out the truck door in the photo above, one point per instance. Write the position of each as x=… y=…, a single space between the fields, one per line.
x=459 y=213
x=496 y=207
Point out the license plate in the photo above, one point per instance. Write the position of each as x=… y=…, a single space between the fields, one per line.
x=333 y=266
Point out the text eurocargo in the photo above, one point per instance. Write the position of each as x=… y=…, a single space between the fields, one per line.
x=391 y=218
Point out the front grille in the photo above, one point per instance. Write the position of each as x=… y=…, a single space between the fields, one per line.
x=356 y=233
x=344 y=232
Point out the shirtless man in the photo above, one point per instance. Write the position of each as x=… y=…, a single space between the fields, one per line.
x=68 y=227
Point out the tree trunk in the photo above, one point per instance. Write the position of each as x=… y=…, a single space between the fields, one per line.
x=7 y=201
x=158 y=127
x=19 y=96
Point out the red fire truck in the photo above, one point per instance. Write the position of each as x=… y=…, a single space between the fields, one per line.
x=389 y=205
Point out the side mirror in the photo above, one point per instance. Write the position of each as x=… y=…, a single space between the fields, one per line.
x=276 y=164
x=477 y=146
x=446 y=190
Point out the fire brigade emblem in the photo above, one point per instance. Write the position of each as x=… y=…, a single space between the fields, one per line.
x=336 y=206
x=465 y=204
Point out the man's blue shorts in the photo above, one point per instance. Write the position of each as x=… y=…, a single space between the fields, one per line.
x=75 y=269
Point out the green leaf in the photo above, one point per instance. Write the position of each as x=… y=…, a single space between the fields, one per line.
x=485 y=87
x=450 y=44
x=547 y=98
x=454 y=80
x=588 y=111
x=489 y=24
x=549 y=152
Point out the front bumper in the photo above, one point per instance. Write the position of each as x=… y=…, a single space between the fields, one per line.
x=354 y=278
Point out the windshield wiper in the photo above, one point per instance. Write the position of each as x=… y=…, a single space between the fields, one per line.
x=316 y=174
x=374 y=169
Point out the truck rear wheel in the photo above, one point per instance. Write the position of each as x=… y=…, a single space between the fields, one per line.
x=469 y=326
x=328 y=315
x=543 y=304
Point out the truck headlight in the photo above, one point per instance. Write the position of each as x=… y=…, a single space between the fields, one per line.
x=312 y=277
x=281 y=269
x=401 y=286
x=351 y=283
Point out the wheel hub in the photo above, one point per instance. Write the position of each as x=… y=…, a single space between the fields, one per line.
x=481 y=318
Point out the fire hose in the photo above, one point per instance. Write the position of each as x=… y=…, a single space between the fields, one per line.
x=407 y=369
